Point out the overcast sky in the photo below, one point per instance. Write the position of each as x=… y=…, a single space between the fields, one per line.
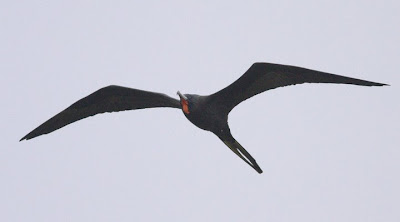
x=329 y=152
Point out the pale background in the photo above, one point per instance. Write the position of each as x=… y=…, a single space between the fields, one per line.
x=329 y=152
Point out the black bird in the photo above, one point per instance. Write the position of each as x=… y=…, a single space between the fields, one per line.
x=206 y=112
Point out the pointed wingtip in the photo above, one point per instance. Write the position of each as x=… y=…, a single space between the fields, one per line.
x=381 y=84
x=376 y=84
x=26 y=137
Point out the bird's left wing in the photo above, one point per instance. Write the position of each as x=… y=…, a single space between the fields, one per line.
x=107 y=99
x=265 y=76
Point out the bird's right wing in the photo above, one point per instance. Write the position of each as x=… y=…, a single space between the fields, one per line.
x=261 y=77
x=107 y=99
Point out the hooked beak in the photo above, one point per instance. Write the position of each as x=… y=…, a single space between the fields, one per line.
x=182 y=96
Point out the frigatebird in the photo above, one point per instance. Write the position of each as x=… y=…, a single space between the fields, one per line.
x=206 y=112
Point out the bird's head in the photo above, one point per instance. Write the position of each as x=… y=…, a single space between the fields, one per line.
x=184 y=102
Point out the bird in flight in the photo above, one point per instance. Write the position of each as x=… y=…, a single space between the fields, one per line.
x=206 y=112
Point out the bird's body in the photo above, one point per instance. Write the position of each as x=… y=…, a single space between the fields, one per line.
x=206 y=112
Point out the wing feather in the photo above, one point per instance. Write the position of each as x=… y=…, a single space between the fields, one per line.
x=265 y=76
x=107 y=99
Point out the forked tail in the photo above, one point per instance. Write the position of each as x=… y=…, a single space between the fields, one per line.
x=241 y=152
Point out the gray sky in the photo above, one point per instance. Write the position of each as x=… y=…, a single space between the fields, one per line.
x=329 y=152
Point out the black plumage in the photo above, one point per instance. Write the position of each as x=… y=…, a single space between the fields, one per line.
x=107 y=99
x=206 y=112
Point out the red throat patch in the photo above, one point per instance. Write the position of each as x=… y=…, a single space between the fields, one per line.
x=185 y=106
